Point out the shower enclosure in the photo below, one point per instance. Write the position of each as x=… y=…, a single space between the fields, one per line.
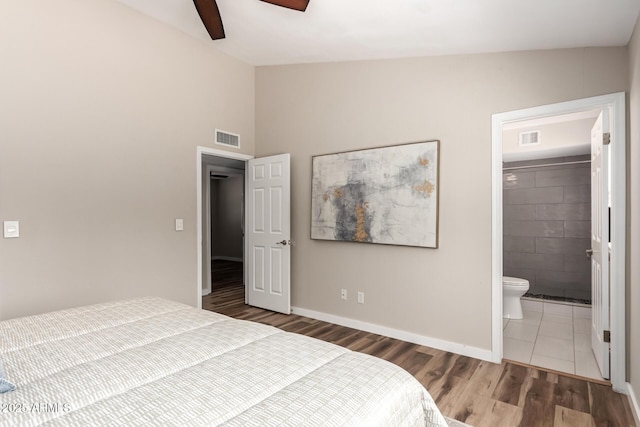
x=547 y=223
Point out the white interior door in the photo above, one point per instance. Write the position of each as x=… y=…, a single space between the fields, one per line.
x=600 y=244
x=269 y=233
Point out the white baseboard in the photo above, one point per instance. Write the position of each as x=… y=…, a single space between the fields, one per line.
x=226 y=258
x=465 y=350
x=633 y=402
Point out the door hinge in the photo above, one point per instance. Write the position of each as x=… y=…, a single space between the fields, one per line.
x=606 y=138
x=607 y=336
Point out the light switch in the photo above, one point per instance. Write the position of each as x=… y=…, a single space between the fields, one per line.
x=11 y=229
x=179 y=224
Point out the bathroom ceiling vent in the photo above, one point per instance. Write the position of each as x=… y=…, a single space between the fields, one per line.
x=227 y=138
x=529 y=138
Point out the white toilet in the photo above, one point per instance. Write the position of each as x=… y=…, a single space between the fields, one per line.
x=512 y=289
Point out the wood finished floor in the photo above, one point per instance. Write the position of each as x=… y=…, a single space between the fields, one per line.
x=470 y=390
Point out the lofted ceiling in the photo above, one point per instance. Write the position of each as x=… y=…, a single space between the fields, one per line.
x=343 y=30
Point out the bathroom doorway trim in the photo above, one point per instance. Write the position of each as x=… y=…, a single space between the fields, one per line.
x=615 y=103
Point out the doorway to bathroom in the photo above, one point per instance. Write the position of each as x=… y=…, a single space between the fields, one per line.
x=542 y=232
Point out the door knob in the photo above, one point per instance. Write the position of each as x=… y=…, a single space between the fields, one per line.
x=589 y=253
x=283 y=243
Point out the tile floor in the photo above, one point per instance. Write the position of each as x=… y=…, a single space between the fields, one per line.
x=554 y=336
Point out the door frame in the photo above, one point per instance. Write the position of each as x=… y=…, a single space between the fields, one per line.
x=200 y=153
x=615 y=103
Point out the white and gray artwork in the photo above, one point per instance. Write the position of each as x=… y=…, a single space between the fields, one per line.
x=384 y=195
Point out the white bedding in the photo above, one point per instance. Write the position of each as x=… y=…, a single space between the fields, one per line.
x=151 y=361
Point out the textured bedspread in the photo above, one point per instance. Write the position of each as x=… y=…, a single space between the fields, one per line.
x=151 y=361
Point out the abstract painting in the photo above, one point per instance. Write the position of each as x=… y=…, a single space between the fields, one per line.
x=385 y=195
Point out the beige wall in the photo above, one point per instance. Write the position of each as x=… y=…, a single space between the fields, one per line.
x=101 y=112
x=325 y=108
x=633 y=258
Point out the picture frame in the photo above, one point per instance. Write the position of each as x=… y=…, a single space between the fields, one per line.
x=387 y=195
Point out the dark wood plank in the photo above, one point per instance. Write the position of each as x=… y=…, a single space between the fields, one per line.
x=435 y=370
x=415 y=362
x=333 y=334
x=464 y=367
x=379 y=347
x=510 y=384
x=485 y=379
x=450 y=392
x=539 y=408
x=487 y=412
x=566 y=417
x=400 y=353
x=607 y=410
x=361 y=343
x=573 y=394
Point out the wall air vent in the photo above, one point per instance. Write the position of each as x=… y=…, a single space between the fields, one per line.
x=227 y=138
x=529 y=138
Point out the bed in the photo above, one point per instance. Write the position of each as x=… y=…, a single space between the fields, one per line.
x=150 y=361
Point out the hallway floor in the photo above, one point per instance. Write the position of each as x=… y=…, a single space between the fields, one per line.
x=553 y=336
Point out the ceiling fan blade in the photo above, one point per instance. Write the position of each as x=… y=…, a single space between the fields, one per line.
x=210 y=15
x=300 y=5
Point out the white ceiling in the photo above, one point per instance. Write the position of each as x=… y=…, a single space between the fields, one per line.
x=342 y=30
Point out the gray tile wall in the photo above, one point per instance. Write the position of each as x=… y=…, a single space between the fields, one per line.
x=547 y=225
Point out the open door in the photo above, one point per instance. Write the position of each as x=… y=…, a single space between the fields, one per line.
x=268 y=230
x=599 y=251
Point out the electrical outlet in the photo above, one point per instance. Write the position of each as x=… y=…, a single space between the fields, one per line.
x=360 y=297
x=343 y=294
